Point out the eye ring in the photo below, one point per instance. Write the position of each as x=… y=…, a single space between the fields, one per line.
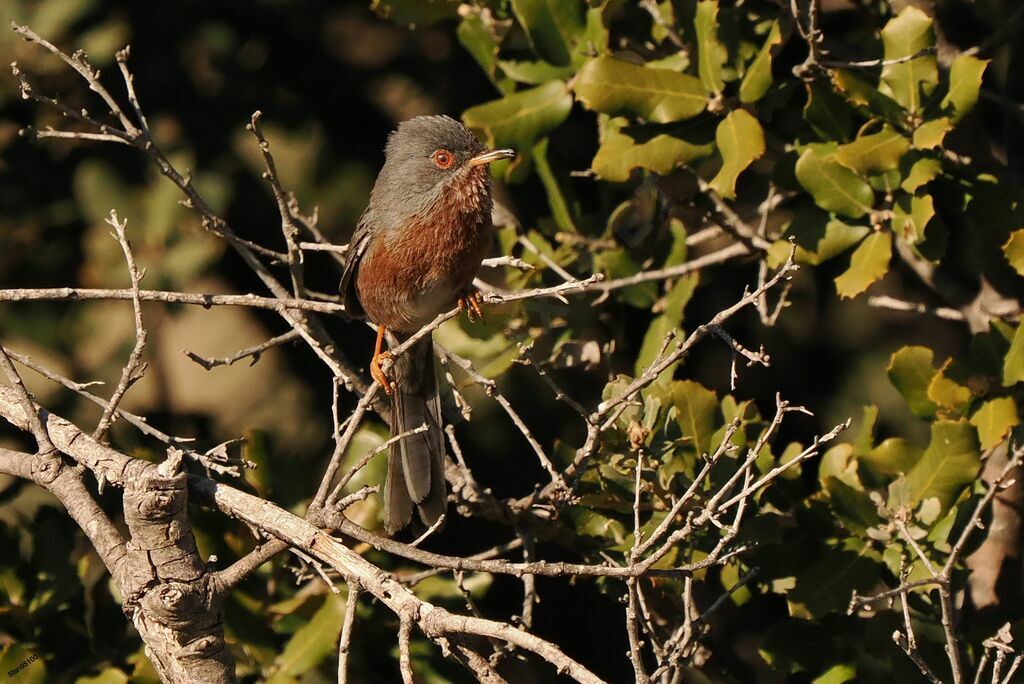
x=443 y=159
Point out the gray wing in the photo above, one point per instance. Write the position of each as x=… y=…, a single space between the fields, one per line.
x=356 y=248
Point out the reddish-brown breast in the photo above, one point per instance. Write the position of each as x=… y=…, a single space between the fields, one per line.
x=411 y=274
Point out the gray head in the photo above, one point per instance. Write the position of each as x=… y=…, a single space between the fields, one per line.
x=425 y=158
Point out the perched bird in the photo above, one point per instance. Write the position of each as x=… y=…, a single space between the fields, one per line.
x=414 y=255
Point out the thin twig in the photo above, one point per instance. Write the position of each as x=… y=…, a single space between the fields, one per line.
x=345 y=642
x=255 y=352
x=134 y=368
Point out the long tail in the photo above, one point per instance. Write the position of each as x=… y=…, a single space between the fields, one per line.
x=415 y=463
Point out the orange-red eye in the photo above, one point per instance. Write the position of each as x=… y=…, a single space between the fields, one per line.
x=443 y=159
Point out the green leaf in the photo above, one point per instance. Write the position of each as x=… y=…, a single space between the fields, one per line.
x=828 y=113
x=479 y=41
x=110 y=675
x=617 y=263
x=651 y=147
x=865 y=438
x=679 y=296
x=911 y=371
x=559 y=194
x=965 y=75
x=740 y=142
x=518 y=120
x=867 y=97
x=910 y=217
x=818 y=238
x=710 y=52
x=1014 y=250
x=825 y=586
x=1013 y=366
x=950 y=463
x=552 y=27
x=653 y=340
x=893 y=456
x=837 y=674
x=870 y=261
x=28 y=667
x=696 y=407
x=616 y=87
x=533 y=72
x=415 y=12
x=314 y=641
x=994 y=420
x=921 y=172
x=854 y=508
x=875 y=153
x=931 y=134
x=840 y=463
x=946 y=392
x=758 y=78
x=907 y=34
x=833 y=186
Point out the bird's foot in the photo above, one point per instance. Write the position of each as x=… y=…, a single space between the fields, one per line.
x=377 y=370
x=472 y=304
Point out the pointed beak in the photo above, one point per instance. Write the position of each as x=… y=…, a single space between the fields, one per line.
x=491 y=156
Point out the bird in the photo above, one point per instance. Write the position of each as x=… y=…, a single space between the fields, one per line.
x=413 y=255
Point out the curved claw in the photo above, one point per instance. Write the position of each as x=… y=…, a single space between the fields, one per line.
x=377 y=371
x=472 y=304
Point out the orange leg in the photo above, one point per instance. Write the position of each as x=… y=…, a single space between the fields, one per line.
x=472 y=304
x=375 y=363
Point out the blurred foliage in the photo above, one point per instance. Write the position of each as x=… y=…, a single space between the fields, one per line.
x=616 y=108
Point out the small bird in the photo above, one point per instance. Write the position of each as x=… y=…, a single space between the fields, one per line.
x=413 y=255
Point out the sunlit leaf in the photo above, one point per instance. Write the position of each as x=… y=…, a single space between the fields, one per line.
x=517 y=120
x=911 y=215
x=740 y=141
x=26 y=665
x=837 y=674
x=870 y=261
x=758 y=78
x=1014 y=250
x=994 y=420
x=907 y=34
x=946 y=392
x=710 y=52
x=833 y=186
x=931 y=134
x=874 y=153
x=696 y=407
x=654 y=148
x=1013 y=366
x=921 y=172
x=617 y=87
x=965 y=75
x=949 y=464
x=818 y=238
